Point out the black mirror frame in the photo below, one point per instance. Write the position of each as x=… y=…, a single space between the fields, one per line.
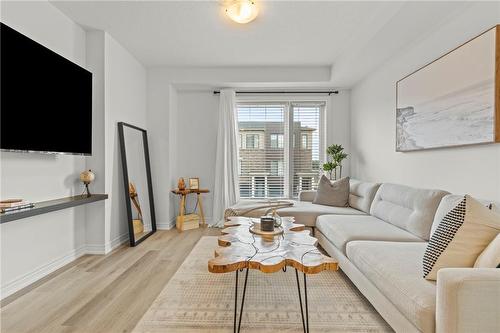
x=121 y=126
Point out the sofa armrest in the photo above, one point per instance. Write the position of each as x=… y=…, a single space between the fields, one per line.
x=468 y=300
x=307 y=195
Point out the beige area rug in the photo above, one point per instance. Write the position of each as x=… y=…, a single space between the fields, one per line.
x=195 y=300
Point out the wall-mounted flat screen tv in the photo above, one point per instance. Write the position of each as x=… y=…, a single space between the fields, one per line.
x=46 y=100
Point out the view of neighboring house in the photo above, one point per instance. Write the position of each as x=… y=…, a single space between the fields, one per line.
x=262 y=159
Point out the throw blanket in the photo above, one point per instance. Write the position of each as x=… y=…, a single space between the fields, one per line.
x=252 y=208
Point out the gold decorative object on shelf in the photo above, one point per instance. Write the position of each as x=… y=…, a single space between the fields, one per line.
x=181 y=184
x=87 y=177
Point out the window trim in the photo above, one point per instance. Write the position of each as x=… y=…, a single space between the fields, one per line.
x=288 y=101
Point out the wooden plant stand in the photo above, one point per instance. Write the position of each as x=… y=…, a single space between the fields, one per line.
x=182 y=206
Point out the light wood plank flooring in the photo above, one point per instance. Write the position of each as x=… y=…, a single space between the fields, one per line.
x=101 y=293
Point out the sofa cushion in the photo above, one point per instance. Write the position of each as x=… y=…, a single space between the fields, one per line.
x=306 y=212
x=361 y=194
x=450 y=201
x=409 y=208
x=490 y=257
x=334 y=193
x=342 y=229
x=307 y=195
x=395 y=269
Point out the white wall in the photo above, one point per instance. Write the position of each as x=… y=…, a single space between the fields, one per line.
x=473 y=169
x=33 y=247
x=338 y=125
x=161 y=102
x=119 y=95
x=95 y=214
x=125 y=101
x=196 y=148
x=40 y=244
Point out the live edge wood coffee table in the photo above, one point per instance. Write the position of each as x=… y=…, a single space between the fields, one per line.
x=240 y=249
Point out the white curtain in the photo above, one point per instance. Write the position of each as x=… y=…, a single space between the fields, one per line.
x=226 y=189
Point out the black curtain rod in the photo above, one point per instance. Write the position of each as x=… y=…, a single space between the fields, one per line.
x=283 y=92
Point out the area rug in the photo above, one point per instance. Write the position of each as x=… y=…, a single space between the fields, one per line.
x=197 y=301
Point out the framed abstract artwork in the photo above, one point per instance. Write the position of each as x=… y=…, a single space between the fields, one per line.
x=454 y=100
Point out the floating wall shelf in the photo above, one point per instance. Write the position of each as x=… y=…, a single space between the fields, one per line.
x=43 y=207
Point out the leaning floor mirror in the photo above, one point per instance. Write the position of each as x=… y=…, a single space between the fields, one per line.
x=137 y=182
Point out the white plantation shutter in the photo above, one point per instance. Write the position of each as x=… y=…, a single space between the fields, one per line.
x=262 y=158
x=305 y=155
x=280 y=148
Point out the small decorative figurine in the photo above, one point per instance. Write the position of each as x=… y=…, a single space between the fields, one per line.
x=87 y=177
x=181 y=184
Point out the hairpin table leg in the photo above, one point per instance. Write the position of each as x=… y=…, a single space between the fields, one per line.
x=307 y=309
x=237 y=330
x=300 y=301
x=235 y=302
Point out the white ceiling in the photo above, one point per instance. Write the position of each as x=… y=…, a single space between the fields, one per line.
x=286 y=33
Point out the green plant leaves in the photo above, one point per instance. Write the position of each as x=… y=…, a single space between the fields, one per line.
x=335 y=156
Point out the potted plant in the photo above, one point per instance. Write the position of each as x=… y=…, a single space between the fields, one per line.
x=335 y=155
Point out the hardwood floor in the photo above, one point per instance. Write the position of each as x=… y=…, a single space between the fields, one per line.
x=101 y=293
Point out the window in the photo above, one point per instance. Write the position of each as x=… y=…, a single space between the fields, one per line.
x=260 y=175
x=305 y=183
x=259 y=187
x=276 y=140
x=304 y=141
x=306 y=160
x=277 y=168
x=280 y=149
x=252 y=141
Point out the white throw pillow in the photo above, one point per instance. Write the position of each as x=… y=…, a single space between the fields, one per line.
x=451 y=200
x=461 y=236
x=490 y=257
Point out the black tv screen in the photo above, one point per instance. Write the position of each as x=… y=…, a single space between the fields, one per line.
x=46 y=100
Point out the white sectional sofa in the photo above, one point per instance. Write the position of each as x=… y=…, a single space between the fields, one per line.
x=380 y=241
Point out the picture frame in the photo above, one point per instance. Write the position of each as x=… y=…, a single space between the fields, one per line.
x=454 y=100
x=194 y=183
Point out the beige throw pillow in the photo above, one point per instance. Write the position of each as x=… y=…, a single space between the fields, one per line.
x=460 y=237
x=490 y=257
x=332 y=193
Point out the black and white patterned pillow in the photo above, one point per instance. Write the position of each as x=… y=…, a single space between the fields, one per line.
x=443 y=236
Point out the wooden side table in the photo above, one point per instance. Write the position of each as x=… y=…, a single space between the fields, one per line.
x=182 y=206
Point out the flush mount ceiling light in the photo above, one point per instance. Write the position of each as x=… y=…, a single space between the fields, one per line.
x=242 y=11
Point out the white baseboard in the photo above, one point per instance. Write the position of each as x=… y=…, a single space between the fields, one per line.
x=165 y=225
x=44 y=270
x=100 y=249
x=40 y=272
